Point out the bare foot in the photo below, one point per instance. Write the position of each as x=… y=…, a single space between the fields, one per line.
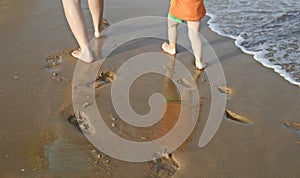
x=104 y=27
x=166 y=48
x=97 y=34
x=200 y=66
x=86 y=57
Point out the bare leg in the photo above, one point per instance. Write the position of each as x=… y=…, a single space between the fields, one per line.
x=96 y=8
x=193 y=33
x=77 y=24
x=172 y=35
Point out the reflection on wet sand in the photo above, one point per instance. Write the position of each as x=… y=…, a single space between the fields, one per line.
x=173 y=106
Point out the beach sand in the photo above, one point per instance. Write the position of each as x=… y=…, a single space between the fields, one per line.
x=37 y=139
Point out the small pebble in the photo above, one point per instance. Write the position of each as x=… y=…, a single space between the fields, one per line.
x=16 y=77
x=22 y=170
x=113 y=125
x=55 y=74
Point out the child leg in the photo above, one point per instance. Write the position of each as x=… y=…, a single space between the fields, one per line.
x=172 y=36
x=193 y=33
x=77 y=24
x=96 y=8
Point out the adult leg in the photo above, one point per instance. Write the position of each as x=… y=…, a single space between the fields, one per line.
x=77 y=24
x=96 y=8
x=193 y=33
x=172 y=35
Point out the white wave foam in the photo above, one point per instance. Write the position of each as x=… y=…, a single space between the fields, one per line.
x=271 y=36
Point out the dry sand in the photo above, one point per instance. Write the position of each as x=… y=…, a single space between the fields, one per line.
x=38 y=141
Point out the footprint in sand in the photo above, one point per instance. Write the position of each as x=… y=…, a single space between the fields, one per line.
x=103 y=79
x=72 y=120
x=53 y=62
x=163 y=167
x=292 y=125
x=82 y=122
x=108 y=76
x=237 y=117
x=295 y=127
x=103 y=162
x=225 y=90
x=188 y=83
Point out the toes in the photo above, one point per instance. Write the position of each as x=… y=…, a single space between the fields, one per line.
x=165 y=45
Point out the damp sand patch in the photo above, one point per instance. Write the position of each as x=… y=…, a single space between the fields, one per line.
x=36 y=149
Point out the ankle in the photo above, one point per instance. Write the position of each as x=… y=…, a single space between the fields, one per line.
x=97 y=33
x=172 y=46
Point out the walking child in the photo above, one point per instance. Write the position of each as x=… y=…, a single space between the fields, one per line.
x=191 y=11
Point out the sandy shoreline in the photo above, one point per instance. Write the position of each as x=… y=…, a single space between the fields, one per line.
x=38 y=140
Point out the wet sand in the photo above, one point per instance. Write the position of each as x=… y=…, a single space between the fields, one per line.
x=38 y=140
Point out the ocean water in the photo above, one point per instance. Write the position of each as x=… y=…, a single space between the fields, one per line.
x=267 y=29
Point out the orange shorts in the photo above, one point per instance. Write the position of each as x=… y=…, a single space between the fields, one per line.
x=188 y=10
